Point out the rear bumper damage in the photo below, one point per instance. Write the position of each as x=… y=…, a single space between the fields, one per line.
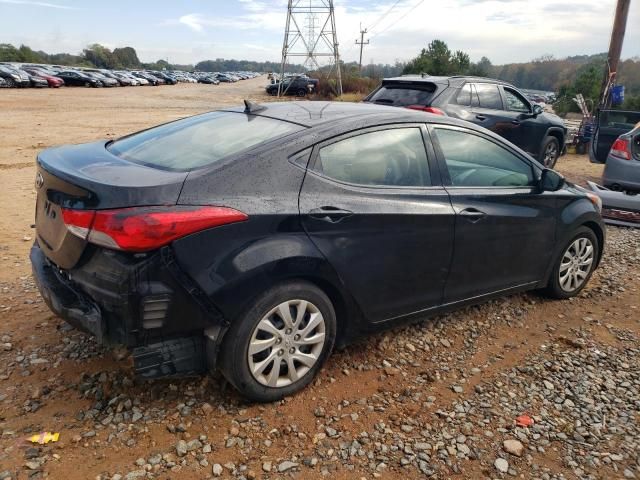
x=144 y=302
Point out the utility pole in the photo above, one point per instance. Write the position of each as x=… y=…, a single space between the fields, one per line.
x=615 y=49
x=362 y=43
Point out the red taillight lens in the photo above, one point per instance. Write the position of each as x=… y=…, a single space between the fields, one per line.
x=78 y=222
x=621 y=149
x=422 y=108
x=140 y=229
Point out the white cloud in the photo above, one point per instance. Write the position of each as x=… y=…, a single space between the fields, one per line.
x=193 y=21
x=38 y=4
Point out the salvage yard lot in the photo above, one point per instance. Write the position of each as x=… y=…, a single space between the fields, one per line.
x=436 y=399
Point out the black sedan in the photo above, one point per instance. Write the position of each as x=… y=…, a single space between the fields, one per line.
x=256 y=239
x=14 y=77
x=78 y=79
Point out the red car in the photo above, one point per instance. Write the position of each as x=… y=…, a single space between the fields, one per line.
x=54 y=82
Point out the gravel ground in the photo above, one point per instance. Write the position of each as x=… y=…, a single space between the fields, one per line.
x=438 y=399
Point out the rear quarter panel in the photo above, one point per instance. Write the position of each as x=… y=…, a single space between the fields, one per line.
x=233 y=264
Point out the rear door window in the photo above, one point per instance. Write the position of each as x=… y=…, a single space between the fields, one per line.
x=403 y=94
x=199 y=141
x=394 y=158
x=464 y=96
x=489 y=96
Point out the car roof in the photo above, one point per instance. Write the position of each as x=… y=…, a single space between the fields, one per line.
x=452 y=80
x=312 y=114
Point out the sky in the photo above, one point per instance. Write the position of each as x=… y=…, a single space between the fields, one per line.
x=187 y=31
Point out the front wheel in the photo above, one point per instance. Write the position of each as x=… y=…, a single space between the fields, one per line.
x=278 y=346
x=575 y=265
x=550 y=152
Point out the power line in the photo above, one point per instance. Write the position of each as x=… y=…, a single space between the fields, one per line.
x=400 y=18
x=384 y=15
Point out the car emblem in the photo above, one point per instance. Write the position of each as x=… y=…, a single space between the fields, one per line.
x=39 y=180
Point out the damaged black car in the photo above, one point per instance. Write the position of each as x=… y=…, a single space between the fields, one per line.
x=256 y=239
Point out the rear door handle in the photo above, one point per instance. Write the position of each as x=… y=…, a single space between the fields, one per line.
x=481 y=117
x=472 y=215
x=329 y=214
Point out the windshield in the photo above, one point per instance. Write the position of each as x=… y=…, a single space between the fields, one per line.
x=199 y=141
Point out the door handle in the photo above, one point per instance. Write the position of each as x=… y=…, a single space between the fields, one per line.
x=472 y=215
x=515 y=122
x=481 y=117
x=329 y=214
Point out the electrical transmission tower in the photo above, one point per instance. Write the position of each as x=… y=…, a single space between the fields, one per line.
x=310 y=34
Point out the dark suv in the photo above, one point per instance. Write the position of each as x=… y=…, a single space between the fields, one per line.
x=298 y=86
x=490 y=103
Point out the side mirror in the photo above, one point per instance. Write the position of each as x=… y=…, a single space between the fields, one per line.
x=537 y=110
x=551 y=181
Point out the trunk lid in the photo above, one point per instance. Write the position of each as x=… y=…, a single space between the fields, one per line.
x=88 y=177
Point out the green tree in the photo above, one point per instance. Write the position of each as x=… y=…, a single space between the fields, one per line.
x=9 y=53
x=126 y=57
x=100 y=56
x=437 y=59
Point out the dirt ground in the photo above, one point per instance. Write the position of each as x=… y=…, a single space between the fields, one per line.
x=49 y=374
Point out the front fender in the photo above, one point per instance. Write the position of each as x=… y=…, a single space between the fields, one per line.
x=576 y=214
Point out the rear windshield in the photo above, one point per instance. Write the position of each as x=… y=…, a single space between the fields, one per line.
x=619 y=119
x=402 y=95
x=199 y=141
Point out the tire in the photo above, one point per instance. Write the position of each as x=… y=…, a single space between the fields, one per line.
x=87 y=84
x=11 y=83
x=301 y=93
x=550 y=152
x=254 y=376
x=557 y=286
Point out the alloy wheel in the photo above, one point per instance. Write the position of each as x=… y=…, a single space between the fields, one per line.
x=550 y=155
x=576 y=264
x=286 y=343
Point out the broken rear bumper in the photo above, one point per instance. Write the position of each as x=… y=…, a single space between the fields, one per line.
x=63 y=300
x=143 y=302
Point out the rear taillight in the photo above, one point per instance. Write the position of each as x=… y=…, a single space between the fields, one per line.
x=621 y=149
x=422 y=108
x=78 y=222
x=141 y=229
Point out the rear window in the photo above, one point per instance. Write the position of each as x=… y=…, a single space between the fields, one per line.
x=402 y=95
x=619 y=119
x=199 y=141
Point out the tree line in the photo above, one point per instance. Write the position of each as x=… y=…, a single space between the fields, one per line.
x=568 y=76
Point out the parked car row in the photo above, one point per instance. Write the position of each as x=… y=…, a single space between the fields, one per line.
x=38 y=75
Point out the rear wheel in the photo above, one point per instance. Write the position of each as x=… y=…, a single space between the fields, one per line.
x=575 y=265
x=278 y=346
x=301 y=92
x=550 y=152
